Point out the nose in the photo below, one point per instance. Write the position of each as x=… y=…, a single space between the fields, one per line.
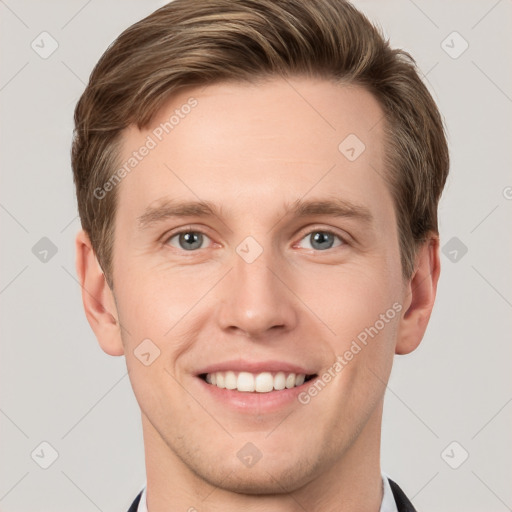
x=256 y=299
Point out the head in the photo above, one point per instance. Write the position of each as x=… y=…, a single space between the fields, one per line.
x=281 y=121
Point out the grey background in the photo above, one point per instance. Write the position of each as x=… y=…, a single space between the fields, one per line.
x=58 y=386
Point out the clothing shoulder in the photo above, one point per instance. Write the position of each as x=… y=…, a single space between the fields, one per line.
x=135 y=505
x=402 y=501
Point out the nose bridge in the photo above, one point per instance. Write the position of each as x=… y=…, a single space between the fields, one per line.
x=256 y=300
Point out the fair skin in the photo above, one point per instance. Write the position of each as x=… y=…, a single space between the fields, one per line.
x=253 y=150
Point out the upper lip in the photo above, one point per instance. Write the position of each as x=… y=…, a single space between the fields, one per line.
x=256 y=367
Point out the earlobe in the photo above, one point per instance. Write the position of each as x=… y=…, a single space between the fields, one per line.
x=98 y=300
x=419 y=297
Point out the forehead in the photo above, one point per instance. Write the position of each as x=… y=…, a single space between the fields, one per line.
x=253 y=146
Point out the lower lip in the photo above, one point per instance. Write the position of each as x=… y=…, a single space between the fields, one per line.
x=255 y=402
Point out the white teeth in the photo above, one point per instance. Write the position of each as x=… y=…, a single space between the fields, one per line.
x=264 y=382
x=245 y=382
x=279 y=381
x=220 y=380
x=290 y=381
x=230 y=380
x=261 y=383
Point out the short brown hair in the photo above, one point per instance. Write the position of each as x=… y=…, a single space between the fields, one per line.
x=196 y=42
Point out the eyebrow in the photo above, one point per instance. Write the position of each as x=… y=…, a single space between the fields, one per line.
x=171 y=208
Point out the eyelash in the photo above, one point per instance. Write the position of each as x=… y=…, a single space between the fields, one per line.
x=191 y=229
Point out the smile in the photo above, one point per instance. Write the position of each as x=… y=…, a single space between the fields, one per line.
x=263 y=382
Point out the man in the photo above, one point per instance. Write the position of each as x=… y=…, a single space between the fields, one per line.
x=258 y=183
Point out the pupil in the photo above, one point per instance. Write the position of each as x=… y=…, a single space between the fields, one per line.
x=321 y=238
x=192 y=240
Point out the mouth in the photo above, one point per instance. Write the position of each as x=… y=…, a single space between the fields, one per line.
x=262 y=382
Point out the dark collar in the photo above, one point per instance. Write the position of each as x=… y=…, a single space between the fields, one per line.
x=135 y=504
x=402 y=501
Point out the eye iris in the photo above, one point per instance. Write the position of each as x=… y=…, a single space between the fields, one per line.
x=320 y=237
x=191 y=240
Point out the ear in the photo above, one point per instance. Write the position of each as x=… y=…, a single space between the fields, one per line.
x=97 y=297
x=419 y=296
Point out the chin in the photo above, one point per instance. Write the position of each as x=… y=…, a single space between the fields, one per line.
x=264 y=478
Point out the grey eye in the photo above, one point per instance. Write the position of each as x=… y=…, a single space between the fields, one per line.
x=188 y=240
x=321 y=240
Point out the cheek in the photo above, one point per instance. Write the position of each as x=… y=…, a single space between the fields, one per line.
x=353 y=298
x=153 y=302
x=153 y=313
x=161 y=316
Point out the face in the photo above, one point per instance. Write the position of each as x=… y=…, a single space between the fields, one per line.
x=256 y=253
